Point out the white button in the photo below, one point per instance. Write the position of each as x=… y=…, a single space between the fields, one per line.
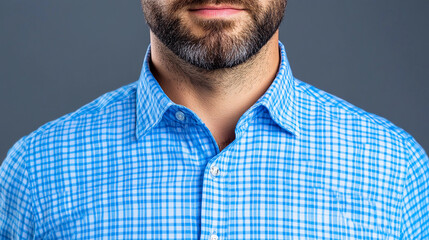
x=214 y=170
x=180 y=116
x=214 y=237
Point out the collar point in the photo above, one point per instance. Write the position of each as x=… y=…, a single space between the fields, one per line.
x=292 y=129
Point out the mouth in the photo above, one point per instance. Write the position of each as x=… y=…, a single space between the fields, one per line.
x=216 y=11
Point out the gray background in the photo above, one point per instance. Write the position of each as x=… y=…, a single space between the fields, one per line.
x=56 y=56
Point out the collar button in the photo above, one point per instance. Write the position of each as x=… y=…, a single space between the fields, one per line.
x=180 y=116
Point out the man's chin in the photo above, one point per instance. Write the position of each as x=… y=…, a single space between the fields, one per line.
x=215 y=53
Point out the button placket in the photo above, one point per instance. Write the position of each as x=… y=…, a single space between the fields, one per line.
x=214 y=210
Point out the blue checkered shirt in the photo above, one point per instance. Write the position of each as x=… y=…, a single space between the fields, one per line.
x=134 y=165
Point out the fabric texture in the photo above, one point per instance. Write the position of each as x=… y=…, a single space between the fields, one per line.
x=134 y=165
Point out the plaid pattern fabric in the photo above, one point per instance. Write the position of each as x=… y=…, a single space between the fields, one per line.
x=134 y=165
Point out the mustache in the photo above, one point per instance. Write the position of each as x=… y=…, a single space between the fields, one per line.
x=251 y=5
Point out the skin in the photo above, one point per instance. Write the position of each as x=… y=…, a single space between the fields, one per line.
x=218 y=96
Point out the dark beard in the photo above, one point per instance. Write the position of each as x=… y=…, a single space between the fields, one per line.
x=217 y=49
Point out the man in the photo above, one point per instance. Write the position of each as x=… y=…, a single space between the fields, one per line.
x=216 y=140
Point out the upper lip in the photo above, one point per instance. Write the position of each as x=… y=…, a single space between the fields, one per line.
x=215 y=7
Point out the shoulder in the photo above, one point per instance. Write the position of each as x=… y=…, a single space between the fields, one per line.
x=107 y=106
x=345 y=128
x=340 y=112
x=78 y=128
x=60 y=141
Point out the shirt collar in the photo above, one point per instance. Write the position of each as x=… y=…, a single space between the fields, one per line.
x=279 y=99
x=151 y=101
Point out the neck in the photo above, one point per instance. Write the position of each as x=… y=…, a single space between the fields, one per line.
x=218 y=97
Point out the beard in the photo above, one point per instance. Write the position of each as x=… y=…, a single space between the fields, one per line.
x=216 y=49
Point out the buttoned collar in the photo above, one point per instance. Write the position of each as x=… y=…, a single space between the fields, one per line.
x=152 y=103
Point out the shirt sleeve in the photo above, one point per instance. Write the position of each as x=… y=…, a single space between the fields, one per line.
x=415 y=211
x=16 y=206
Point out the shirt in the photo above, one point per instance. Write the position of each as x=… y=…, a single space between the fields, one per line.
x=132 y=164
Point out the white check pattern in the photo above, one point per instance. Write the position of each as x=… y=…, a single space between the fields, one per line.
x=134 y=165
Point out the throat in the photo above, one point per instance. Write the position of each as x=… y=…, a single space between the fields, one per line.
x=224 y=143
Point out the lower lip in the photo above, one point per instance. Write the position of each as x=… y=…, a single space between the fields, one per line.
x=216 y=13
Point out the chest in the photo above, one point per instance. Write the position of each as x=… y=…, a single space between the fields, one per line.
x=261 y=200
x=259 y=187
